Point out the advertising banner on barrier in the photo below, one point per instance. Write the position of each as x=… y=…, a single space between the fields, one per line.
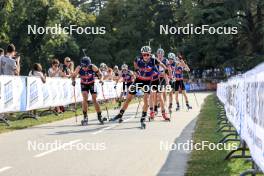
x=19 y=94
x=60 y=92
x=243 y=98
x=12 y=94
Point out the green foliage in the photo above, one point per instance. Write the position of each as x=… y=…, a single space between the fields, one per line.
x=131 y=24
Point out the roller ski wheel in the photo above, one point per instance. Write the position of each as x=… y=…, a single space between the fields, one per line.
x=84 y=122
x=120 y=120
x=142 y=123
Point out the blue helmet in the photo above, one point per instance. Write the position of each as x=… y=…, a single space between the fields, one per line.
x=86 y=61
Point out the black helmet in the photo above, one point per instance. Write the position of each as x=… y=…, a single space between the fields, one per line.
x=86 y=61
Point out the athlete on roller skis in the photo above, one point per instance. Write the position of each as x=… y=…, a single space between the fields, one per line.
x=158 y=83
x=87 y=71
x=172 y=68
x=144 y=69
x=127 y=78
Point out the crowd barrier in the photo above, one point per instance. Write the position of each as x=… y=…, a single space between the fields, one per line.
x=243 y=99
x=21 y=94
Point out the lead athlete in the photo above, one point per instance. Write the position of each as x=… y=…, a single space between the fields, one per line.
x=87 y=72
x=144 y=68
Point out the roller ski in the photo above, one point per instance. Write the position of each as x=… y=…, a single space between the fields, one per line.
x=84 y=122
x=118 y=117
x=188 y=106
x=165 y=117
x=151 y=116
x=101 y=119
x=142 y=123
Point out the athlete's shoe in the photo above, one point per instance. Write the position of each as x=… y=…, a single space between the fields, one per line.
x=152 y=115
x=188 y=106
x=165 y=117
x=118 y=117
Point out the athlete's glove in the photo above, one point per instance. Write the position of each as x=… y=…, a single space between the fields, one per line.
x=166 y=71
x=101 y=82
x=73 y=83
x=115 y=86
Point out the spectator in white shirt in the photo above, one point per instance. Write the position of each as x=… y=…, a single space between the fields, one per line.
x=37 y=71
x=10 y=63
x=54 y=70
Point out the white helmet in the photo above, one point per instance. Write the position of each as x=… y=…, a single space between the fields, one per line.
x=145 y=49
x=172 y=56
x=103 y=66
x=124 y=67
x=160 y=51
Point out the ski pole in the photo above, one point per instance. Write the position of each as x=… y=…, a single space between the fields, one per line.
x=138 y=107
x=75 y=104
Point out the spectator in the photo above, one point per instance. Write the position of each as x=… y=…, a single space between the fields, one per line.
x=67 y=68
x=10 y=63
x=54 y=70
x=109 y=75
x=37 y=71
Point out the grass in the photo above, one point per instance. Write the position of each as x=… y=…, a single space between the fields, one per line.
x=25 y=123
x=207 y=162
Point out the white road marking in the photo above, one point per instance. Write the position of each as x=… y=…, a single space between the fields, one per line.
x=5 y=168
x=56 y=149
x=110 y=127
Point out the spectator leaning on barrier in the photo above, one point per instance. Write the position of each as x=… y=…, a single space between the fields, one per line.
x=67 y=68
x=10 y=63
x=56 y=71
x=37 y=71
x=109 y=75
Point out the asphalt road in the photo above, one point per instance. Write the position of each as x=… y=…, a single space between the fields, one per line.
x=65 y=148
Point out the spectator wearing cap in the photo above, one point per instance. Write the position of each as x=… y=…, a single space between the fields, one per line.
x=10 y=63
